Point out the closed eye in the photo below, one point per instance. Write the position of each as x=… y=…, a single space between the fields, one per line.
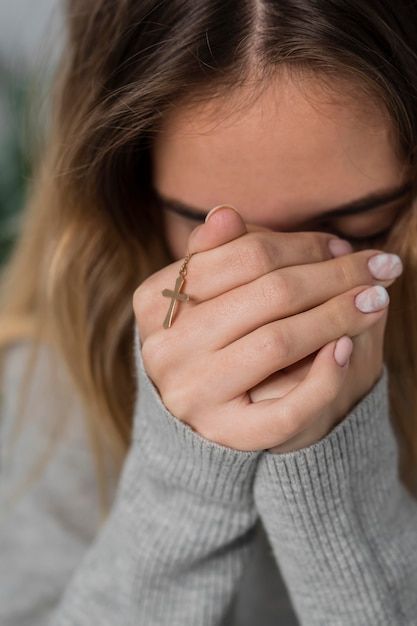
x=370 y=239
x=375 y=240
x=366 y=241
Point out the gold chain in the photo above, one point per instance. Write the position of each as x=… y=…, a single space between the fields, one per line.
x=183 y=268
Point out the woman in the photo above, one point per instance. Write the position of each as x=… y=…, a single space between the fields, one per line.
x=148 y=437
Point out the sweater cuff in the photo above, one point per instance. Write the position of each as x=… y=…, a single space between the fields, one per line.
x=353 y=468
x=340 y=522
x=176 y=453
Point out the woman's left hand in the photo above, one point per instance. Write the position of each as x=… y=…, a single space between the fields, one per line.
x=365 y=368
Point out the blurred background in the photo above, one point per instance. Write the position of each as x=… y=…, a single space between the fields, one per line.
x=31 y=34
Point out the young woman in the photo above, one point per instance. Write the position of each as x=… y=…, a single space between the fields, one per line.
x=147 y=437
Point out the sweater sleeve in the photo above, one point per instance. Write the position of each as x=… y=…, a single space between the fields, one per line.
x=181 y=528
x=48 y=522
x=341 y=524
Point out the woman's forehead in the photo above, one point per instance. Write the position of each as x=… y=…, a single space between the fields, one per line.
x=290 y=148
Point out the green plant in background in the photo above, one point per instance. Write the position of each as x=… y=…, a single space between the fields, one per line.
x=15 y=166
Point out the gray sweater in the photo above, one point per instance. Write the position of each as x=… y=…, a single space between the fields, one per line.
x=200 y=534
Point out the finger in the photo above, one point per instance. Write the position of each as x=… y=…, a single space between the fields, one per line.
x=279 y=344
x=215 y=271
x=275 y=421
x=246 y=258
x=272 y=422
x=276 y=295
x=226 y=253
x=223 y=224
x=368 y=355
x=226 y=226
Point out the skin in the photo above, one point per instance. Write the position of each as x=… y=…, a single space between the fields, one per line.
x=293 y=153
x=296 y=152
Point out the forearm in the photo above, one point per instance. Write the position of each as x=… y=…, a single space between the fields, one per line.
x=173 y=548
x=342 y=526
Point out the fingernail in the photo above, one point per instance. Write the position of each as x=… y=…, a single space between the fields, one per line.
x=338 y=247
x=385 y=265
x=216 y=208
x=343 y=350
x=372 y=299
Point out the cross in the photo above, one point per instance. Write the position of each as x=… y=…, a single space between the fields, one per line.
x=176 y=296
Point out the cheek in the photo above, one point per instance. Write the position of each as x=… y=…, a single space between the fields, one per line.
x=177 y=231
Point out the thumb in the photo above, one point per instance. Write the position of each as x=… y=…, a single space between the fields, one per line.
x=223 y=224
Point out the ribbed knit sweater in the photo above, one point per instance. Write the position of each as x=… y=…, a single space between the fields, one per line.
x=200 y=534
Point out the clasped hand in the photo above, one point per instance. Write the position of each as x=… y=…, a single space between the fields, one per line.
x=249 y=361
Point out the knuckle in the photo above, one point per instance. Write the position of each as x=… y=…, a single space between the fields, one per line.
x=275 y=344
x=276 y=289
x=256 y=255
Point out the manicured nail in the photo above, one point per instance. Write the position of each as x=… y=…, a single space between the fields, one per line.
x=372 y=299
x=216 y=208
x=343 y=350
x=385 y=266
x=338 y=247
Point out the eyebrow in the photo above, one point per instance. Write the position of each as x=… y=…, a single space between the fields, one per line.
x=366 y=203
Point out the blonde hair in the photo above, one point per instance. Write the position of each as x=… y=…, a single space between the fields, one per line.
x=93 y=227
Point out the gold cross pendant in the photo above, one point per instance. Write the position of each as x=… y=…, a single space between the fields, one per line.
x=176 y=297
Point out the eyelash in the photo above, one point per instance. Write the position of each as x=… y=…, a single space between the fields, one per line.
x=371 y=241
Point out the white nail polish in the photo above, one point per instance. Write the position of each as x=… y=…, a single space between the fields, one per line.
x=385 y=266
x=372 y=299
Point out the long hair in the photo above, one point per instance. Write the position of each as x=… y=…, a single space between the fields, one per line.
x=93 y=227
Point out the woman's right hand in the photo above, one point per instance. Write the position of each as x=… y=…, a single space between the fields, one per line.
x=248 y=289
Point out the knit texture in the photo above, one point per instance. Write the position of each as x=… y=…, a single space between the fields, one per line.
x=341 y=525
x=182 y=529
